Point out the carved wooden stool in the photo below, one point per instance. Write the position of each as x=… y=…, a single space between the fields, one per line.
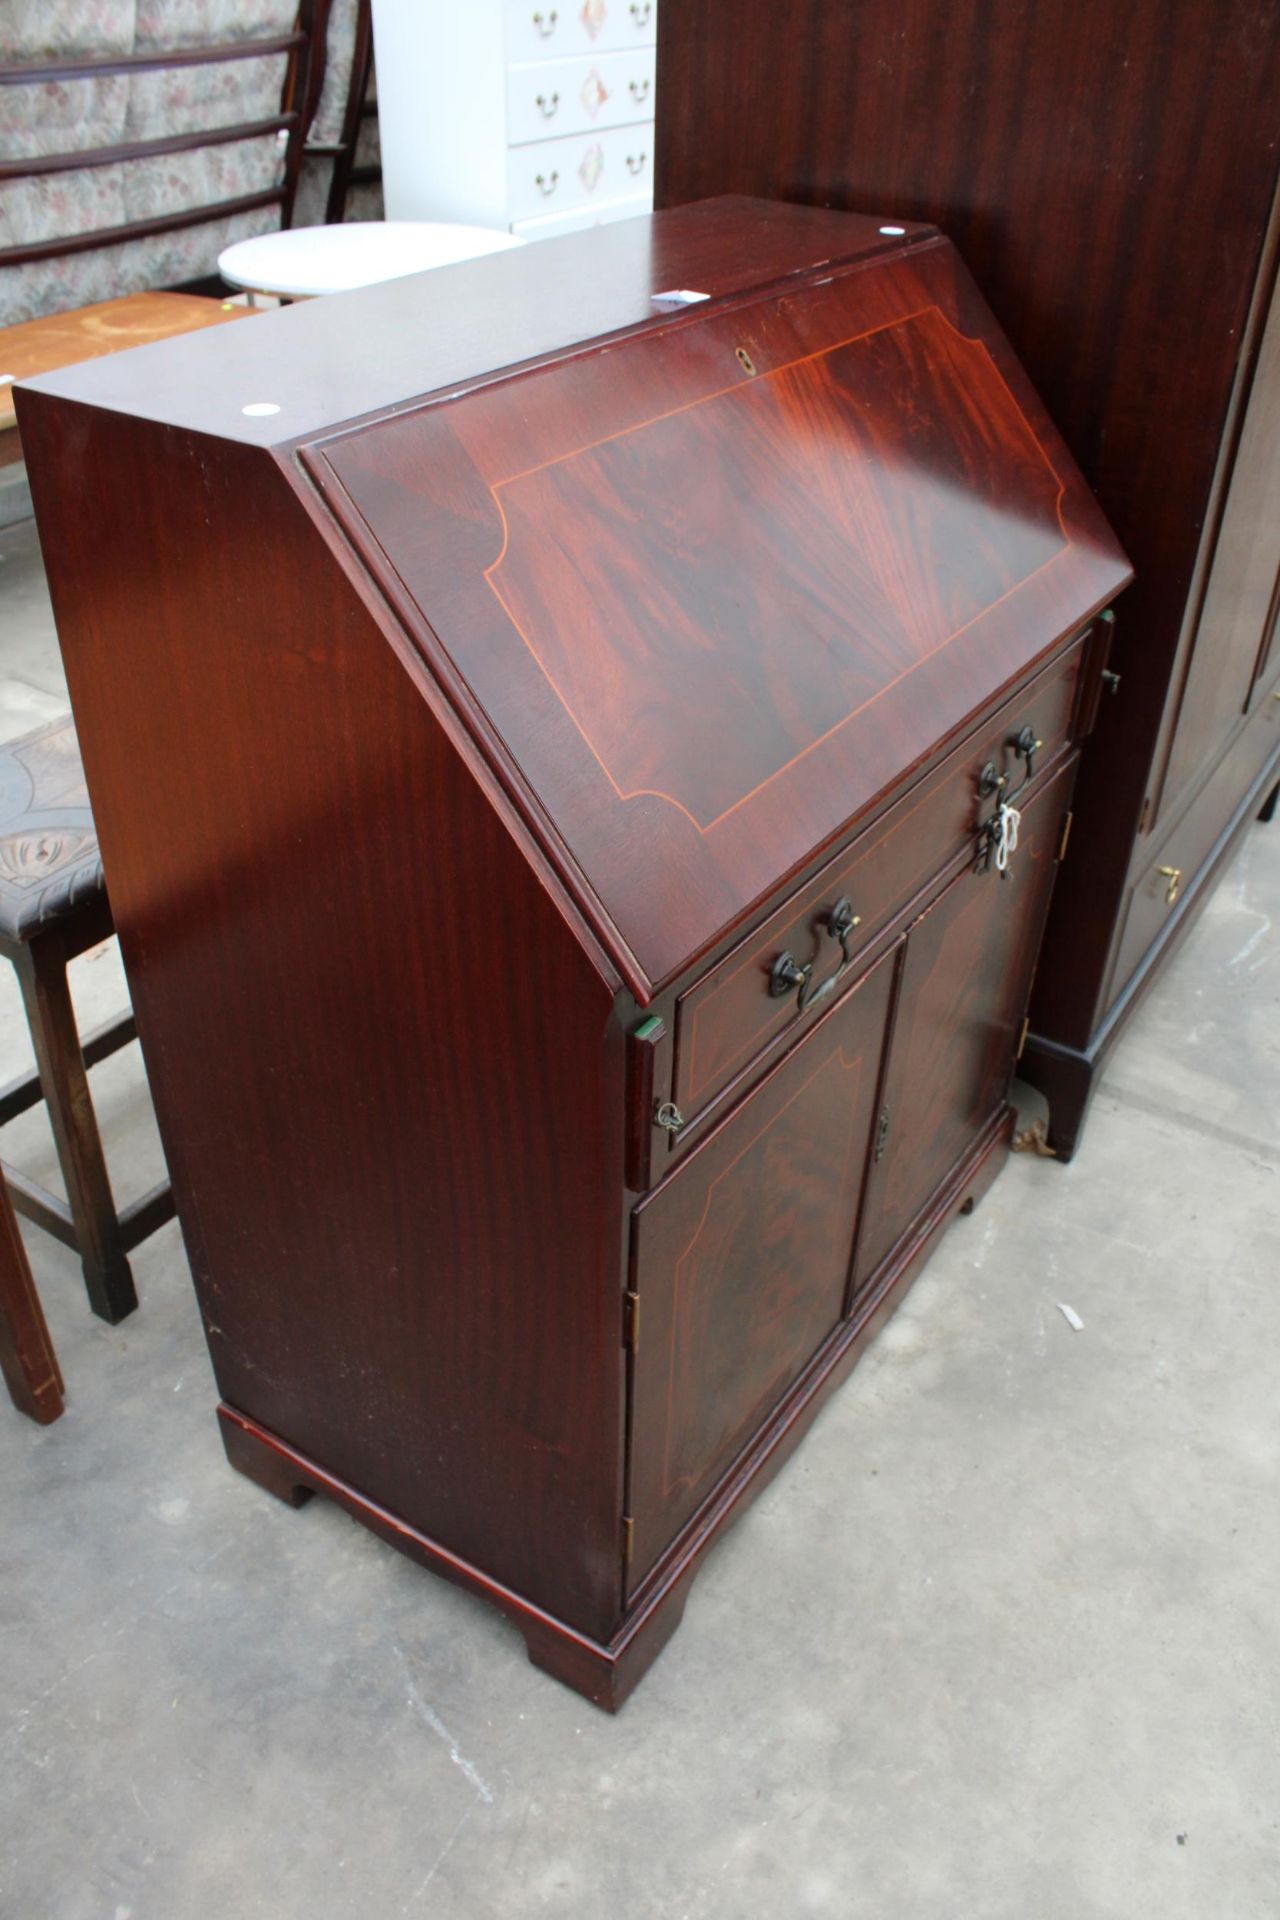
x=53 y=906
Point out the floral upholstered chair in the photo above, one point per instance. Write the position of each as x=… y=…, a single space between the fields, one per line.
x=138 y=138
x=342 y=163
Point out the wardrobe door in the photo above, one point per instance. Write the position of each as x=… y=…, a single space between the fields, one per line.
x=1233 y=639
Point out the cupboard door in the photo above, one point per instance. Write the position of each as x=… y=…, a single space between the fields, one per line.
x=741 y=1261
x=1233 y=637
x=966 y=981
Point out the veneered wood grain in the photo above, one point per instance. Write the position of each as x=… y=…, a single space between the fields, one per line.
x=402 y=1231
x=966 y=981
x=892 y=453
x=608 y=551
x=729 y=1013
x=741 y=1262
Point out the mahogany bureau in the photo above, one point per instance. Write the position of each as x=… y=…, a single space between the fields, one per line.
x=580 y=782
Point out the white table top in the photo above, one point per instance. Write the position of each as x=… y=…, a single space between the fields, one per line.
x=301 y=261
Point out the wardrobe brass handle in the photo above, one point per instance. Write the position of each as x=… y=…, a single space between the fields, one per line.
x=1174 y=877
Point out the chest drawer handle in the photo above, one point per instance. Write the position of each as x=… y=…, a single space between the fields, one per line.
x=546 y=27
x=635 y=164
x=639 y=89
x=640 y=11
x=547 y=108
x=669 y=1117
x=546 y=184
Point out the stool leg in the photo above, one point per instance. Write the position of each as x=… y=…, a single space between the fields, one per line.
x=42 y=975
x=27 y=1359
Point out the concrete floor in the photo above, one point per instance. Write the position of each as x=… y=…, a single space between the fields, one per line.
x=999 y=1644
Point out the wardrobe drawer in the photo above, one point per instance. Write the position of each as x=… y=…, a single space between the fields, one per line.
x=734 y=1014
x=536 y=30
x=1172 y=870
x=557 y=97
x=559 y=176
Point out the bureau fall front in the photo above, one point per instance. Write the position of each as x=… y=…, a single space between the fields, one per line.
x=580 y=785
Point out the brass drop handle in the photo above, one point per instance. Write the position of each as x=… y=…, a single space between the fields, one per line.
x=636 y=164
x=786 y=973
x=544 y=184
x=548 y=26
x=639 y=89
x=1027 y=746
x=998 y=834
x=1174 y=877
x=669 y=1117
x=547 y=107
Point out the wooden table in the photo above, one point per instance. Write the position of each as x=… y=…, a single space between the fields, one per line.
x=85 y=333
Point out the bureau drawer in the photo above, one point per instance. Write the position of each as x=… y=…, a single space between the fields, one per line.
x=536 y=30
x=559 y=176
x=560 y=97
x=731 y=1017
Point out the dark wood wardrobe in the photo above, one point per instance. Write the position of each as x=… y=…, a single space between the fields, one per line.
x=1109 y=175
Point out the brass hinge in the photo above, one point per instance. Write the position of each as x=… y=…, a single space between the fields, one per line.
x=1145 y=815
x=628 y=1536
x=1066 y=835
x=631 y=1321
x=1026 y=1028
x=882 y=1133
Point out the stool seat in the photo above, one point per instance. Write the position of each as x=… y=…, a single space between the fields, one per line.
x=50 y=868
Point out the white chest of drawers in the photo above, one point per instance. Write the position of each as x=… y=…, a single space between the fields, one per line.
x=527 y=114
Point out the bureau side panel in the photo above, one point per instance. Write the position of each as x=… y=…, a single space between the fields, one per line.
x=385 y=1068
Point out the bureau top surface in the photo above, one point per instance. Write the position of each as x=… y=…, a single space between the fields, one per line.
x=703 y=588
x=320 y=363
